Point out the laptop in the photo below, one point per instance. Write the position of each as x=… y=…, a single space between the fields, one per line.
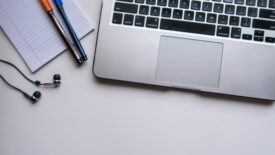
x=218 y=46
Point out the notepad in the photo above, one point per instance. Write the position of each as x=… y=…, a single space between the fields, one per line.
x=32 y=32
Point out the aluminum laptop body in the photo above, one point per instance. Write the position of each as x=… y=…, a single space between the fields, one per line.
x=211 y=46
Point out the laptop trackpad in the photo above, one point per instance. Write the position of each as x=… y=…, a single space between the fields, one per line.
x=187 y=62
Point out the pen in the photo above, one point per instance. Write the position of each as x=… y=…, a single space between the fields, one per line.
x=49 y=9
x=59 y=5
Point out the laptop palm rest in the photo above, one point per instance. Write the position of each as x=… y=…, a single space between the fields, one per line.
x=186 y=62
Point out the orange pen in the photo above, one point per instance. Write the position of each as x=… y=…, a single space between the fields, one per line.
x=49 y=9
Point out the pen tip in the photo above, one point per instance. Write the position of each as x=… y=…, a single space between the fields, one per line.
x=46 y=5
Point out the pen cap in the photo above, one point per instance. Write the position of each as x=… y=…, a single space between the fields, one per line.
x=58 y=2
x=47 y=5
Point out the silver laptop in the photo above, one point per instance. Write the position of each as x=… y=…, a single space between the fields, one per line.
x=219 y=46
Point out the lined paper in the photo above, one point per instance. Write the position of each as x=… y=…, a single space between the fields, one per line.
x=32 y=32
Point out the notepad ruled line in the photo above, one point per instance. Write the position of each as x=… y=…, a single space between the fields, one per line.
x=19 y=32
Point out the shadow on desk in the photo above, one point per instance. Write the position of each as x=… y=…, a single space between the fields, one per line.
x=214 y=96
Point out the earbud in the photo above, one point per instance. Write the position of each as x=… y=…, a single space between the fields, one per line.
x=35 y=96
x=57 y=80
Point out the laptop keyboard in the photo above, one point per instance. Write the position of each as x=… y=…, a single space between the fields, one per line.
x=238 y=19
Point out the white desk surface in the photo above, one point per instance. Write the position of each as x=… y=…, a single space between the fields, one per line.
x=86 y=116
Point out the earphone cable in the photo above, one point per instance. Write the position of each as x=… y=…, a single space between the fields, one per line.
x=13 y=86
x=12 y=65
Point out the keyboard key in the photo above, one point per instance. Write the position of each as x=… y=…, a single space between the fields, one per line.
x=247 y=37
x=269 y=14
x=128 y=19
x=189 y=15
x=245 y=22
x=144 y=10
x=184 y=4
x=126 y=0
x=128 y=8
x=223 y=19
x=139 y=21
x=263 y=24
x=262 y=3
x=200 y=16
x=239 y=1
x=269 y=39
x=177 y=14
x=236 y=32
x=139 y=1
x=229 y=9
x=258 y=38
x=228 y=1
x=253 y=12
x=117 y=18
x=259 y=33
x=151 y=2
x=251 y=2
x=166 y=12
x=173 y=3
x=152 y=22
x=155 y=11
x=223 y=31
x=196 y=5
x=271 y=4
x=241 y=10
x=207 y=6
x=211 y=18
x=184 y=26
x=218 y=8
x=234 y=20
x=162 y=2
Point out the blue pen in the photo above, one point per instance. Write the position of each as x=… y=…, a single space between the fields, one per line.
x=59 y=5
